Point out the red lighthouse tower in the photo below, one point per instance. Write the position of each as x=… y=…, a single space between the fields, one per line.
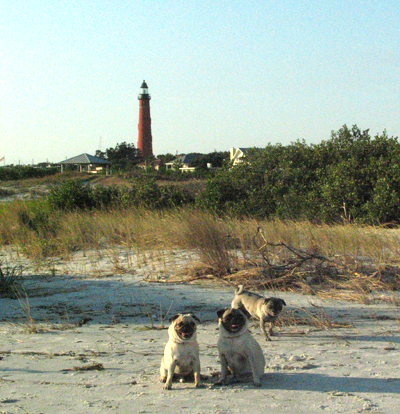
x=145 y=140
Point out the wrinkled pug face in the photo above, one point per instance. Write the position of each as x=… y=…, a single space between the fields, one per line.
x=232 y=320
x=185 y=325
x=274 y=306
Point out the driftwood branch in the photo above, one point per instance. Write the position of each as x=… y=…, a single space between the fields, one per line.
x=300 y=256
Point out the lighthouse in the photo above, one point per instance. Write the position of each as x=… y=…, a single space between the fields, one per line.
x=145 y=140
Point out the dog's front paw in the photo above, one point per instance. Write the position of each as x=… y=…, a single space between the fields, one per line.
x=199 y=385
x=167 y=386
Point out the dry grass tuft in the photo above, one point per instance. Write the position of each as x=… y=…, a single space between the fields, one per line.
x=317 y=318
x=209 y=236
x=10 y=281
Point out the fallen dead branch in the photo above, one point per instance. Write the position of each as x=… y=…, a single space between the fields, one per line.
x=298 y=259
x=96 y=366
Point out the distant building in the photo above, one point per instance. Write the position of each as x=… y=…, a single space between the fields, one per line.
x=87 y=163
x=182 y=162
x=237 y=155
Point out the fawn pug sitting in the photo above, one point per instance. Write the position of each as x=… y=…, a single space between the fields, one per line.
x=181 y=354
x=257 y=306
x=239 y=352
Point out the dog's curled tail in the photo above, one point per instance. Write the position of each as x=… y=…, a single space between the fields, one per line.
x=239 y=290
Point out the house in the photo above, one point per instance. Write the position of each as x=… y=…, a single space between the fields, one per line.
x=182 y=162
x=87 y=163
x=237 y=155
x=156 y=163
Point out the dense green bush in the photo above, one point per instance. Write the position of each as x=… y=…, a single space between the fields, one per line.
x=23 y=172
x=74 y=194
x=71 y=195
x=351 y=176
x=109 y=197
x=175 y=196
x=149 y=194
x=225 y=193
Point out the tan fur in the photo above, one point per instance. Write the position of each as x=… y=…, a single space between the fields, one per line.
x=259 y=307
x=181 y=356
x=239 y=352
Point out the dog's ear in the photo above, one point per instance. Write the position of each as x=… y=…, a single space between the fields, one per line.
x=266 y=300
x=221 y=312
x=283 y=302
x=195 y=317
x=172 y=318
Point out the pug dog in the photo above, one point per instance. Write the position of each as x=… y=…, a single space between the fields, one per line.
x=239 y=352
x=257 y=306
x=181 y=354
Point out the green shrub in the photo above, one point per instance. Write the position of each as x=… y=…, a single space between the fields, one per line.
x=174 y=196
x=146 y=193
x=225 y=193
x=71 y=195
x=110 y=197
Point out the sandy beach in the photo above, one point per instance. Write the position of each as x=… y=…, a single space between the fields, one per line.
x=81 y=342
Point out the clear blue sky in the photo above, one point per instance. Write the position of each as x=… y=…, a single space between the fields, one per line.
x=221 y=73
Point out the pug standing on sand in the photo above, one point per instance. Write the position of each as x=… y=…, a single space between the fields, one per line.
x=264 y=309
x=239 y=352
x=181 y=354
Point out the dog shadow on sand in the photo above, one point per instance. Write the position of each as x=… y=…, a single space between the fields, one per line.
x=324 y=383
x=305 y=382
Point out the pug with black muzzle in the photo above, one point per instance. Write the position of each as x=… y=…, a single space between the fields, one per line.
x=257 y=306
x=181 y=354
x=239 y=352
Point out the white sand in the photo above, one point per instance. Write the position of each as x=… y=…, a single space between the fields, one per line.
x=309 y=370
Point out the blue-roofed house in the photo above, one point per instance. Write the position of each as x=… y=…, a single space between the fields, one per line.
x=182 y=162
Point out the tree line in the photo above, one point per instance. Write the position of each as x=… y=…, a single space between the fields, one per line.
x=21 y=172
x=125 y=157
x=352 y=176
